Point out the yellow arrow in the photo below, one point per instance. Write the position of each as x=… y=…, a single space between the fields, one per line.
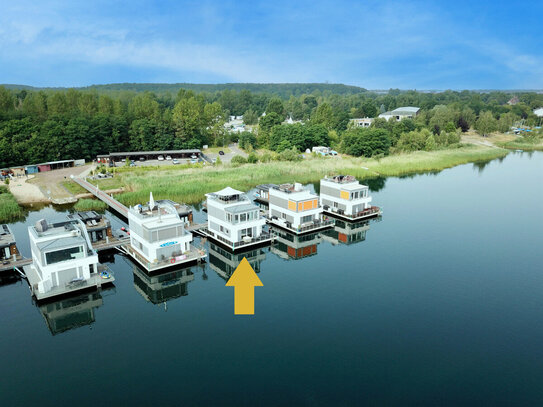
x=244 y=280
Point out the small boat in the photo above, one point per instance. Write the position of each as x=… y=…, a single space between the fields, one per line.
x=105 y=275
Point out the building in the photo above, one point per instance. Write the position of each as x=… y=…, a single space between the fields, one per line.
x=262 y=193
x=364 y=122
x=147 y=155
x=233 y=220
x=291 y=246
x=98 y=226
x=225 y=262
x=344 y=197
x=539 y=112
x=158 y=238
x=63 y=259
x=407 y=112
x=8 y=248
x=296 y=209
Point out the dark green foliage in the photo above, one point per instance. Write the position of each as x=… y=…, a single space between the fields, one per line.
x=366 y=142
x=247 y=139
x=299 y=136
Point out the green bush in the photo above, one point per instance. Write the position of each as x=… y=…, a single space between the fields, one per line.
x=238 y=160
x=289 y=155
x=252 y=158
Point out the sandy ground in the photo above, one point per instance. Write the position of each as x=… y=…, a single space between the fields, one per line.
x=489 y=141
x=46 y=186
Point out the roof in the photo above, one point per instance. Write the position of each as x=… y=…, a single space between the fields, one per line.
x=265 y=187
x=241 y=208
x=65 y=242
x=228 y=192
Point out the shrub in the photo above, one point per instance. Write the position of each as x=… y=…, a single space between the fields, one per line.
x=252 y=158
x=238 y=160
x=290 y=155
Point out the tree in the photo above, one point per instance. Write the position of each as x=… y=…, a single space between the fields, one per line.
x=365 y=142
x=247 y=139
x=250 y=117
x=486 y=123
x=275 y=105
x=324 y=115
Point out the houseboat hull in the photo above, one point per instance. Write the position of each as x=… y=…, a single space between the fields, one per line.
x=323 y=226
x=260 y=242
x=171 y=265
x=349 y=218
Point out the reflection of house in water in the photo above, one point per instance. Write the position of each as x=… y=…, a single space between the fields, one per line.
x=70 y=313
x=347 y=232
x=224 y=262
x=291 y=246
x=158 y=288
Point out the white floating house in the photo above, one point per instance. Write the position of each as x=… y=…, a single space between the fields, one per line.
x=63 y=259
x=158 y=238
x=344 y=197
x=233 y=220
x=295 y=208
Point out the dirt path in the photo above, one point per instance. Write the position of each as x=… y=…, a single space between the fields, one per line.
x=25 y=192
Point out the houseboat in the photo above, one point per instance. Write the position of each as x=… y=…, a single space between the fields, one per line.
x=347 y=233
x=224 y=262
x=344 y=197
x=8 y=247
x=291 y=246
x=296 y=209
x=164 y=286
x=158 y=238
x=98 y=226
x=262 y=194
x=234 y=221
x=63 y=260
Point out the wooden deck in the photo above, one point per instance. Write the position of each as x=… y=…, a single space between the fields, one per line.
x=112 y=202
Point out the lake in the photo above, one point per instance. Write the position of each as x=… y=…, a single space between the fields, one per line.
x=439 y=303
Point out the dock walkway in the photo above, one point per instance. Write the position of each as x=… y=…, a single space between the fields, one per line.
x=112 y=202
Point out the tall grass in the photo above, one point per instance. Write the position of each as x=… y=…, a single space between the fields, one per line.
x=73 y=187
x=89 y=205
x=514 y=145
x=9 y=208
x=191 y=185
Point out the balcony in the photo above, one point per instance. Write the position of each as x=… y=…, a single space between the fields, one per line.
x=366 y=213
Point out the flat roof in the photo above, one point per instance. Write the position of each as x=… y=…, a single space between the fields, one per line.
x=241 y=208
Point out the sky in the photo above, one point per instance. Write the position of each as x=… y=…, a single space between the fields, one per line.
x=438 y=44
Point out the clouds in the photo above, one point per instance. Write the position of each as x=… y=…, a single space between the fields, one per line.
x=373 y=44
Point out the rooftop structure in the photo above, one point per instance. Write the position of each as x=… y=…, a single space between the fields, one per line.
x=262 y=193
x=343 y=196
x=295 y=208
x=63 y=259
x=147 y=155
x=158 y=238
x=98 y=226
x=233 y=220
x=539 y=112
x=8 y=247
x=406 y=112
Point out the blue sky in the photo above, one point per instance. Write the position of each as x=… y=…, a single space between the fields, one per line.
x=374 y=44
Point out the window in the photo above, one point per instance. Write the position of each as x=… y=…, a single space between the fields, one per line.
x=236 y=219
x=243 y=217
x=64 y=254
x=307 y=218
x=284 y=215
x=335 y=205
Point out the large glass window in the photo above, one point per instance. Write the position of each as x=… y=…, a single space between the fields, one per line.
x=307 y=218
x=64 y=255
x=243 y=217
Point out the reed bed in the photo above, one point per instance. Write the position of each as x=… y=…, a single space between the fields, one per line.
x=191 y=185
x=89 y=205
x=9 y=208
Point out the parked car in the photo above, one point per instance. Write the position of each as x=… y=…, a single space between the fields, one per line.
x=221 y=152
x=142 y=158
x=160 y=158
x=193 y=157
x=132 y=164
x=333 y=152
x=193 y=161
x=175 y=161
x=112 y=163
x=168 y=157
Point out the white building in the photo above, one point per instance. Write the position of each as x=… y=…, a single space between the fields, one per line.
x=63 y=259
x=407 y=112
x=539 y=112
x=295 y=208
x=363 y=122
x=233 y=220
x=344 y=196
x=158 y=238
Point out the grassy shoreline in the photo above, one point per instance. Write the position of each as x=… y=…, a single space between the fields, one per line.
x=517 y=145
x=9 y=208
x=191 y=184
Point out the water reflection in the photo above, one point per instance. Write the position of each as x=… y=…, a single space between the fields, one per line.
x=291 y=246
x=346 y=232
x=224 y=262
x=159 y=288
x=73 y=312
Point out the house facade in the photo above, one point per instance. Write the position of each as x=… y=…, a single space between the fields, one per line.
x=295 y=208
x=233 y=219
x=406 y=112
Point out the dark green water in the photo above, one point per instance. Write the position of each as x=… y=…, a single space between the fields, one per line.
x=440 y=303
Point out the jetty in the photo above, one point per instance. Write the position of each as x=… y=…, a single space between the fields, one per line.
x=108 y=199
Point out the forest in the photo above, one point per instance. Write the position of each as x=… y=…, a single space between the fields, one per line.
x=52 y=124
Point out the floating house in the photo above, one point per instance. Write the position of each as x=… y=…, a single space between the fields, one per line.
x=262 y=193
x=344 y=197
x=224 y=262
x=291 y=246
x=234 y=221
x=347 y=233
x=296 y=209
x=158 y=238
x=8 y=247
x=98 y=226
x=63 y=259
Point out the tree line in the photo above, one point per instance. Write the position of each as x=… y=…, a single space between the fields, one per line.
x=45 y=125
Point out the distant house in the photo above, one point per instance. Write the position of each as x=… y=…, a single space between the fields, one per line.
x=513 y=101
x=364 y=122
x=407 y=112
x=539 y=112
